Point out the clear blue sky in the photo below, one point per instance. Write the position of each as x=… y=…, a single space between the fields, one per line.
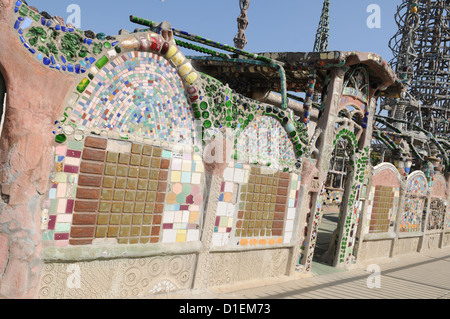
x=281 y=25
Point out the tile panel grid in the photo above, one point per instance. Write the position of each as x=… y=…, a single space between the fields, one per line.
x=121 y=194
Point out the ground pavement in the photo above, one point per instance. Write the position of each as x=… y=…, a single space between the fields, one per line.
x=415 y=276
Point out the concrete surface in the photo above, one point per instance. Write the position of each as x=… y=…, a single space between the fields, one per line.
x=413 y=276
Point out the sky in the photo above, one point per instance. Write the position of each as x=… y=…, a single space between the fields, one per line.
x=281 y=25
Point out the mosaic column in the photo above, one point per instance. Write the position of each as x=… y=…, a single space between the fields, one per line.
x=325 y=149
x=214 y=178
x=361 y=180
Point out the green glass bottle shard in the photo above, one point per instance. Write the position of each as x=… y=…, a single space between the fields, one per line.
x=61 y=138
x=101 y=62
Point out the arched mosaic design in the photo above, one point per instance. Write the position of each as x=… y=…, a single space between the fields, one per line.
x=137 y=93
x=222 y=108
x=417 y=185
x=415 y=201
x=384 y=199
x=266 y=142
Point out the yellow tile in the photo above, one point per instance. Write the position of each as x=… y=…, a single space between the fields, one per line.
x=193 y=217
x=181 y=236
x=176 y=177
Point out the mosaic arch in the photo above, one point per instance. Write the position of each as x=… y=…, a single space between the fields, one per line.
x=266 y=142
x=137 y=93
x=415 y=203
x=221 y=108
x=384 y=199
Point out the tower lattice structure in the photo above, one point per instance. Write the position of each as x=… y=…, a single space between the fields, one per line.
x=421 y=49
x=323 y=31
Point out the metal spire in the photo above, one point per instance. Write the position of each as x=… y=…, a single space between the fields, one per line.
x=240 y=40
x=322 y=36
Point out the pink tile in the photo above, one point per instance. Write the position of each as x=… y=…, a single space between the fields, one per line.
x=71 y=169
x=52 y=222
x=62 y=236
x=70 y=205
x=61 y=150
x=72 y=153
x=62 y=243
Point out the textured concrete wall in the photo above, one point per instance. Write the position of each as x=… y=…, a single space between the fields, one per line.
x=35 y=97
x=374 y=249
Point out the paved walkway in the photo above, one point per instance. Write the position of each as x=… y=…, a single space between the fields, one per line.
x=425 y=276
x=417 y=276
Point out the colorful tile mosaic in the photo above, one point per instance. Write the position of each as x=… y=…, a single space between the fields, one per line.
x=184 y=200
x=382 y=208
x=263 y=205
x=121 y=193
x=412 y=216
x=415 y=203
x=437 y=213
x=137 y=93
x=417 y=185
x=447 y=221
x=235 y=175
x=333 y=197
x=59 y=208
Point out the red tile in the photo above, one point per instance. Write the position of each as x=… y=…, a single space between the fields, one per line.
x=88 y=193
x=94 y=155
x=92 y=168
x=90 y=180
x=95 y=142
x=84 y=219
x=82 y=232
x=86 y=206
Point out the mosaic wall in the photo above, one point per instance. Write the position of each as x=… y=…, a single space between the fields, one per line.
x=115 y=191
x=256 y=207
x=415 y=202
x=382 y=208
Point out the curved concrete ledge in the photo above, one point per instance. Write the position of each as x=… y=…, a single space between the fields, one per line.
x=410 y=235
x=248 y=248
x=383 y=236
x=102 y=252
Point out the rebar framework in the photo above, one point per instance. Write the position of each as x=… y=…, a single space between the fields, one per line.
x=421 y=49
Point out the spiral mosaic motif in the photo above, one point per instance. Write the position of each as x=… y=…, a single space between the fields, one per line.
x=138 y=93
